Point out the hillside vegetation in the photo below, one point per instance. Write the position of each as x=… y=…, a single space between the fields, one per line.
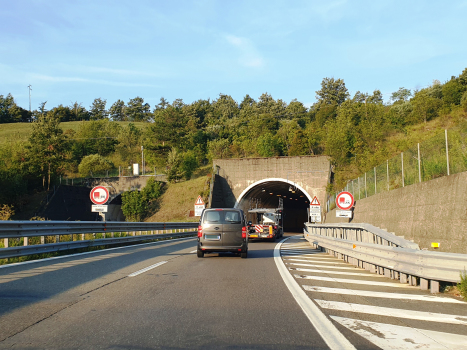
x=356 y=132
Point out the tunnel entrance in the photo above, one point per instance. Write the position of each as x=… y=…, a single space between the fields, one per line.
x=266 y=194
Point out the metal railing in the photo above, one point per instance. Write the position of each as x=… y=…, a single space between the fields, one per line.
x=381 y=252
x=76 y=231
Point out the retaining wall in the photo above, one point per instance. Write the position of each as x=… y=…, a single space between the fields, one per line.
x=431 y=211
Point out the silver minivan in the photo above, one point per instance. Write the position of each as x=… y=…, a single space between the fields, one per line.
x=222 y=230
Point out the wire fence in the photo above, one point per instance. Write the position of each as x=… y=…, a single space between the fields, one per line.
x=442 y=155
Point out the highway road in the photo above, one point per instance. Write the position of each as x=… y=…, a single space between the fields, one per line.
x=161 y=296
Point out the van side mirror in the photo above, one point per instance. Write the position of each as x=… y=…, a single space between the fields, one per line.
x=249 y=223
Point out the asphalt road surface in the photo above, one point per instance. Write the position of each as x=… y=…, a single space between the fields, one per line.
x=161 y=296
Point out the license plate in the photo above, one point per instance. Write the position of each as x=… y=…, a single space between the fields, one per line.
x=212 y=237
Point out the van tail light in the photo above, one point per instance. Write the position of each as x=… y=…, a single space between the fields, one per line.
x=200 y=231
x=243 y=232
x=275 y=227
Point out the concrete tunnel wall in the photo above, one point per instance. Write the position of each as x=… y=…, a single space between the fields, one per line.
x=237 y=180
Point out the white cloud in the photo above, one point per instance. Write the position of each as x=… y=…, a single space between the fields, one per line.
x=248 y=55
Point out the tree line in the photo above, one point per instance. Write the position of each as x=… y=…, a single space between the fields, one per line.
x=178 y=137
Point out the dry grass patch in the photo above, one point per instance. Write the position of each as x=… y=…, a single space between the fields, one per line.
x=179 y=198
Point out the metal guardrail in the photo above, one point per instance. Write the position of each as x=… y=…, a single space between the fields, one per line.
x=376 y=250
x=26 y=229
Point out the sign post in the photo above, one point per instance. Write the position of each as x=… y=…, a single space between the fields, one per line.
x=344 y=202
x=315 y=210
x=199 y=206
x=99 y=196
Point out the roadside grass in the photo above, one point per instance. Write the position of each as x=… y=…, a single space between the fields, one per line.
x=462 y=285
x=179 y=198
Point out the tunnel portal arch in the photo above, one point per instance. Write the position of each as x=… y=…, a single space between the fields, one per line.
x=266 y=192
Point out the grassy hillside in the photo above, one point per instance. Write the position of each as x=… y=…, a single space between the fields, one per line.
x=179 y=198
x=21 y=131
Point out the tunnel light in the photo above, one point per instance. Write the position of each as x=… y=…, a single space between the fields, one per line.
x=263 y=190
x=279 y=195
x=285 y=196
x=291 y=198
x=271 y=193
x=301 y=196
x=290 y=188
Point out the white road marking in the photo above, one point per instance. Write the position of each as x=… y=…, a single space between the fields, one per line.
x=325 y=267
x=193 y=251
x=367 y=293
x=321 y=264
x=94 y=252
x=390 y=312
x=146 y=269
x=333 y=272
x=315 y=260
x=330 y=334
x=345 y=280
x=298 y=254
x=392 y=337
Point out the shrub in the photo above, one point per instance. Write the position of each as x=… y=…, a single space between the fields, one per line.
x=462 y=285
x=94 y=163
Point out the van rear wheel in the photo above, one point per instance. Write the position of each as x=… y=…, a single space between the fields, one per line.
x=200 y=253
x=244 y=254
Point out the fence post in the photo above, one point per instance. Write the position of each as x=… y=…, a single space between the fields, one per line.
x=447 y=149
x=387 y=171
x=365 y=187
x=375 y=178
x=25 y=241
x=5 y=242
x=419 y=170
x=402 y=161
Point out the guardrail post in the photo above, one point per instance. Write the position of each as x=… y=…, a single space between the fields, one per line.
x=82 y=236
x=403 y=278
x=434 y=287
x=42 y=239
x=25 y=241
x=423 y=284
x=413 y=281
x=57 y=238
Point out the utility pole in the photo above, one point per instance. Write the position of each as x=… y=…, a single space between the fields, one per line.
x=29 y=86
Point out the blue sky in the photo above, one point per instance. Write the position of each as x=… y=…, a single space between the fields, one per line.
x=81 y=50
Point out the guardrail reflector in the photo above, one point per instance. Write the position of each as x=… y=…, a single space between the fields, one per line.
x=434 y=245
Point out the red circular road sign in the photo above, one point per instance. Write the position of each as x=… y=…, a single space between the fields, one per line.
x=344 y=200
x=99 y=195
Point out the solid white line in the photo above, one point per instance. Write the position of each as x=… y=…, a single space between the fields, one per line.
x=331 y=336
x=368 y=293
x=93 y=252
x=193 y=251
x=146 y=269
x=298 y=254
x=345 y=280
x=390 y=312
x=325 y=267
x=399 y=337
x=333 y=272
x=313 y=259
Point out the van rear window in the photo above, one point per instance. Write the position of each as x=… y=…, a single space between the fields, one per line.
x=232 y=217
x=222 y=217
x=212 y=217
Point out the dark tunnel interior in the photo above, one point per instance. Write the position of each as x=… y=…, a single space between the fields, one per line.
x=267 y=194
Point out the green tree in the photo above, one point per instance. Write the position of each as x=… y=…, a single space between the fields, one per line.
x=10 y=112
x=401 y=95
x=97 y=110
x=137 y=110
x=78 y=112
x=117 y=111
x=47 y=148
x=452 y=92
x=268 y=146
x=332 y=92
x=129 y=143
x=93 y=164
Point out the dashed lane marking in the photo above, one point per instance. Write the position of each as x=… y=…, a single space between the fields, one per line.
x=146 y=269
